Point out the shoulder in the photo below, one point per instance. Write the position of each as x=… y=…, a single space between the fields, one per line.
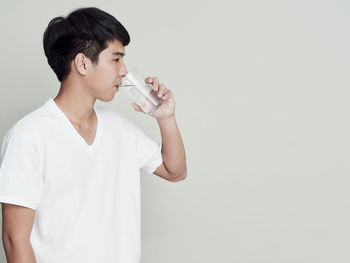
x=31 y=125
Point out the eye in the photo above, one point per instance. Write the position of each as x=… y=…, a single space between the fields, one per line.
x=116 y=59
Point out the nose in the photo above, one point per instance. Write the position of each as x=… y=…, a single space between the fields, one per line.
x=123 y=70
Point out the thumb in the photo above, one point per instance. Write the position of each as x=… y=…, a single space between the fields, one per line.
x=136 y=107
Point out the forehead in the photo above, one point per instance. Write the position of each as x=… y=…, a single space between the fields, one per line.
x=114 y=47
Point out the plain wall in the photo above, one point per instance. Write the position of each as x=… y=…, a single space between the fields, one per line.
x=262 y=95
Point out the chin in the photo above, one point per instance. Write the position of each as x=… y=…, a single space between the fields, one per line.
x=106 y=99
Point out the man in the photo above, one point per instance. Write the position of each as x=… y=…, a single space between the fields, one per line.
x=69 y=176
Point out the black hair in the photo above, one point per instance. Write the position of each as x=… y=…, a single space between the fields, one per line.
x=85 y=30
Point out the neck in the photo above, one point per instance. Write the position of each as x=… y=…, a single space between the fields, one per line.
x=74 y=100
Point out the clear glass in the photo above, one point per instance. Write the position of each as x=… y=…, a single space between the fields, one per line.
x=134 y=87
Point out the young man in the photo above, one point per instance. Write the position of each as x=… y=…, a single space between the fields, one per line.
x=69 y=175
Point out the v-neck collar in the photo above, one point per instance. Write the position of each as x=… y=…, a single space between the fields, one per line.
x=74 y=132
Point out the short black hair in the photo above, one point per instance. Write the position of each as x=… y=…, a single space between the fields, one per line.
x=85 y=30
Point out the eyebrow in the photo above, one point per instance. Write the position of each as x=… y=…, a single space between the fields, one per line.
x=119 y=54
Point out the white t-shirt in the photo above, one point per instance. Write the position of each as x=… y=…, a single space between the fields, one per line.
x=86 y=197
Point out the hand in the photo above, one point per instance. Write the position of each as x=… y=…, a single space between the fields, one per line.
x=167 y=108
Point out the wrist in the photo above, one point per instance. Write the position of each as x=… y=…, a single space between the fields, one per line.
x=166 y=119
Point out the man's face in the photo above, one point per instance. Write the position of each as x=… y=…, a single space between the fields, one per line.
x=105 y=76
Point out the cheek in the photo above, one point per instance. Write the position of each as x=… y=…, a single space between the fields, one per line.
x=103 y=74
x=107 y=71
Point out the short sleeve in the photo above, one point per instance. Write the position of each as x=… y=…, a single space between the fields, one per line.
x=21 y=178
x=149 y=152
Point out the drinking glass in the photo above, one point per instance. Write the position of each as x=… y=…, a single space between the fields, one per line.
x=135 y=88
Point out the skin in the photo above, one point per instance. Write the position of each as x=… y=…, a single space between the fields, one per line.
x=17 y=224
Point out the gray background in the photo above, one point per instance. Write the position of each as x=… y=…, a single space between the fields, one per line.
x=262 y=94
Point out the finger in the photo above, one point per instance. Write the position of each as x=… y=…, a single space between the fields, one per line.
x=161 y=90
x=167 y=94
x=136 y=107
x=155 y=83
x=149 y=80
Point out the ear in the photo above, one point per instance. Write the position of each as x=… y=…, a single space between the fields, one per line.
x=81 y=63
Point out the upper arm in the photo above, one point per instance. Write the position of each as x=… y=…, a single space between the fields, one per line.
x=17 y=222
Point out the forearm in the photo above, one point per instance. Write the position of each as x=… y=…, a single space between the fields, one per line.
x=19 y=251
x=173 y=150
